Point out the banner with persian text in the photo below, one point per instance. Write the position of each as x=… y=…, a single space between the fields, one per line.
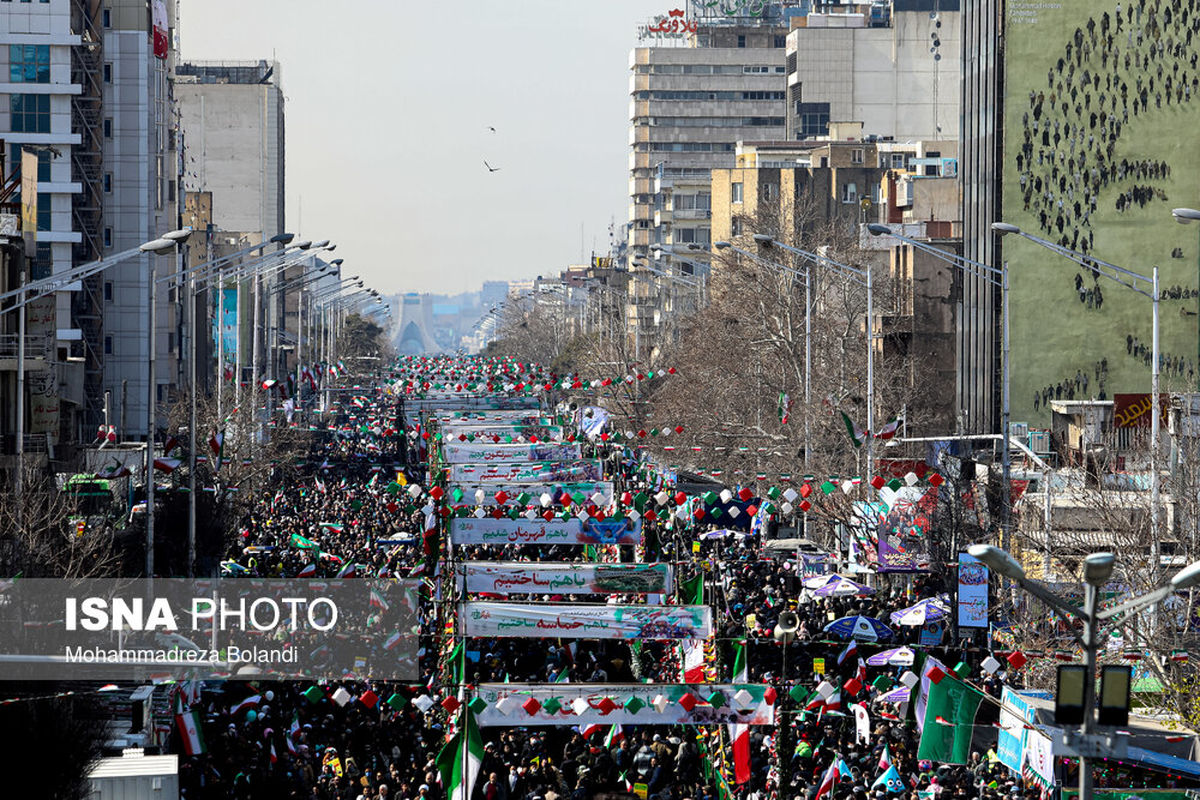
x=585 y=621
x=571 y=704
x=463 y=453
x=525 y=578
x=489 y=530
x=528 y=472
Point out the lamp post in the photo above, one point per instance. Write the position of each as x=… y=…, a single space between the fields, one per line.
x=167 y=242
x=1097 y=569
x=1135 y=282
x=998 y=278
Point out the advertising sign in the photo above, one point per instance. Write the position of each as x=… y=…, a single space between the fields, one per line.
x=489 y=530
x=972 y=592
x=527 y=472
x=570 y=704
x=543 y=433
x=1133 y=410
x=585 y=621
x=1015 y=713
x=525 y=578
x=463 y=453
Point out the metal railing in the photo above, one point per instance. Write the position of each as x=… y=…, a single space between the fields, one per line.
x=35 y=346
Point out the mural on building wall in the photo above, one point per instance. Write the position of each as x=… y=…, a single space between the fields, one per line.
x=1100 y=111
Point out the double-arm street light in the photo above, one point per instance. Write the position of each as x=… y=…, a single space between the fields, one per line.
x=1137 y=283
x=998 y=278
x=1097 y=569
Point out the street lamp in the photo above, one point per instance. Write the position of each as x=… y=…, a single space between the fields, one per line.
x=166 y=243
x=1097 y=569
x=998 y=278
x=1135 y=282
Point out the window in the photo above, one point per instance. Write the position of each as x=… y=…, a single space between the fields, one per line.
x=741 y=40
x=753 y=70
x=108 y=345
x=29 y=63
x=30 y=113
x=735 y=193
x=44 y=157
x=770 y=191
x=850 y=193
x=106 y=18
x=812 y=119
x=43 y=261
x=856 y=156
x=107 y=128
x=108 y=291
x=108 y=237
x=108 y=73
x=735 y=228
x=107 y=181
x=781 y=41
x=897 y=160
x=43 y=211
x=685 y=235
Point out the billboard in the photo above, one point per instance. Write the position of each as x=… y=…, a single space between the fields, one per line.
x=1099 y=118
x=464 y=453
x=526 y=472
x=490 y=530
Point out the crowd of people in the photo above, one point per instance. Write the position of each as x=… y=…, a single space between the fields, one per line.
x=279 y=739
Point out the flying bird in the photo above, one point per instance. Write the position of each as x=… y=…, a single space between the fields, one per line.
x=490 y=168
x=490 y=128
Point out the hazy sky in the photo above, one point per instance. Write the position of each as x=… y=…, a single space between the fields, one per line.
x=388 y=108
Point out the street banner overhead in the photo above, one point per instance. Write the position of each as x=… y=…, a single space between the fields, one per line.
x=489 y=530
x=463 y=453
x=528 y=472
x=527 y=578
x=585 y=621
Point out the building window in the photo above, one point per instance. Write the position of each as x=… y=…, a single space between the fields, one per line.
x=107 y=181
x=856 y=156
x=106 y=18
x=44 y=157
x=781 y=41
x=29 y=63
x=108 y=237
x=897 y=160
x=108 y=345
x=43 y=261
x=108 y=73
x=30 y=113
x=850 y=193
x=770 y=191
x=735 y=193
x=107 y=128
x=735 y=227
x=108 y=291
x=812 y=119
x=741 y=40
x=43 y=211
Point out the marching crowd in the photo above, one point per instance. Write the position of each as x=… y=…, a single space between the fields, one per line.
x=282 y=740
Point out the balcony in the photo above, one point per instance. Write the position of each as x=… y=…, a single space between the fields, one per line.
x=36 y=351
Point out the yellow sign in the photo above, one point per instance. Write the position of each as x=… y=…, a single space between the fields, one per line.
x=819 y=666
x=641 y=790
x=29 y=193
x=695 y=547
x=751 y=620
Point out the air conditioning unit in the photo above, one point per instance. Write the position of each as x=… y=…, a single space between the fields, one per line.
x=1039 y=441
x=1018 y=430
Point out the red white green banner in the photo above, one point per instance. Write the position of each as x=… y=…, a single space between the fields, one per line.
x=515 y=704
x=526 y=472
x=525 y=578
x=585 y=621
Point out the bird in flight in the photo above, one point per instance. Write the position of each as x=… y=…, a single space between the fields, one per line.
x=490 y=168
x=490 y=128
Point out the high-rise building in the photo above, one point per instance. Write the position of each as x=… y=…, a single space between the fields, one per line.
x=698 y=85
x=893 y=66
x=139 y=184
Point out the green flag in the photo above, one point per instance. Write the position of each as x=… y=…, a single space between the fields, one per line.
x=456 y=658
x=949 y=721
x=459 y=765
x=691 y=591
x=300 y=541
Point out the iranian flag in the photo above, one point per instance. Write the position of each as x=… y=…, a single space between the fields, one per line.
x=459 y=762
x=216 y=444
x=828 y=781
x=739 y=733
x=785 y=408
x=187 y=722
x=590 y=728
x=693 y=661
x=158 y=18
x=857 y=434
x=615 y=734
x=889 y=430
x=167 y=465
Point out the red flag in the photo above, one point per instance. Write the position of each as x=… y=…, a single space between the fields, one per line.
x=158 y=15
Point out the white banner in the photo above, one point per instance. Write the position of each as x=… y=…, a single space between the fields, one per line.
x=625 y=704
x=528 y=472
x=464 y=452
x=585 y=621
x=489 y=530
x=526 y=578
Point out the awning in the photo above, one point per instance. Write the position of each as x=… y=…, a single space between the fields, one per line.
x=1172 y=764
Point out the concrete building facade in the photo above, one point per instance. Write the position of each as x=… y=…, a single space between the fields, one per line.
x=893 y=66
